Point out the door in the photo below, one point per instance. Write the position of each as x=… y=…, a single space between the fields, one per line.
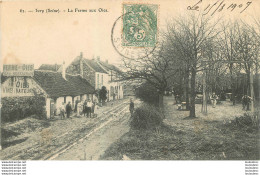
x=52 y=108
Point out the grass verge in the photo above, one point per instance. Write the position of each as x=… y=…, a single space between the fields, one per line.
x=220 y=141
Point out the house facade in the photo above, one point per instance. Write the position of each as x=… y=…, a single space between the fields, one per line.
x=98 y=74
x=115 y=85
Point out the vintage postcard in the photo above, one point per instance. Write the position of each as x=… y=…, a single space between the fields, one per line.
x=130 y=80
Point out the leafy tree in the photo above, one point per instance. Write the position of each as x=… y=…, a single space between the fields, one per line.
x=103 y=94
x=148 y=93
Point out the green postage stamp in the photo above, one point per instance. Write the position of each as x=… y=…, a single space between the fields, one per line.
x=140 y=25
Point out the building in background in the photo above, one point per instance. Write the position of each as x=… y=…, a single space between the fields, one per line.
x=51 y=67
x=98 y=73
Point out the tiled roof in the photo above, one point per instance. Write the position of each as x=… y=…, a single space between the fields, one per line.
x=55 y=86
x=50 y=67
x=110 y=67
x=94 y=65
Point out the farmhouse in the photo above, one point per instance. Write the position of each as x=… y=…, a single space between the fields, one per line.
x=56 y=86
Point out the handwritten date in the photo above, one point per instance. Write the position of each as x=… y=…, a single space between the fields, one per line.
x=219 y=6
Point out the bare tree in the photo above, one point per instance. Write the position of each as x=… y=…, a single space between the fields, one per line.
x=189 y=35
x=253 y=30
x=156 y=68
x=182 y=80
x=247 y=47
x=227 y=45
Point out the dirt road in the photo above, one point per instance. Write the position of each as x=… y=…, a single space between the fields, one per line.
x=93 y=146
x=79 y=138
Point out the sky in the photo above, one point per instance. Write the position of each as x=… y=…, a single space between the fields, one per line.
x=49 y=38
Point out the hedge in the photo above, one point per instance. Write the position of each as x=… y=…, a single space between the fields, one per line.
x=17 y=108
x=146 y=117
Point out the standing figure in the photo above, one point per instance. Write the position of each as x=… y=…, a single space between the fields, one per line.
x=94 y=108
x=68 y=109
x=131 y=107
x=89 y=108
x=84 y=108
x=62 y=111
x=79 y=108
x=76 y=105
x=214 y=98
x=177 y=99
x=245 y=102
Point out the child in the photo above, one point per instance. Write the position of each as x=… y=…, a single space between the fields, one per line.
x=94 y=106
x=62 y=111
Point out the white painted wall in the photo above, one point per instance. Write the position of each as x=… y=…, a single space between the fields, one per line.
x=68 y=98
x=98 y=80
x=48 y=107
x=59 y=102
x=84 y=97
x=120 y=91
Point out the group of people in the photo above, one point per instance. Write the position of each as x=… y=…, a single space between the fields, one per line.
x=214 y=98
x=245 y=101
x=87 y=108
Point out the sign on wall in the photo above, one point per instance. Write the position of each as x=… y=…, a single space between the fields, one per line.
x=19 y=86
x=18 y=70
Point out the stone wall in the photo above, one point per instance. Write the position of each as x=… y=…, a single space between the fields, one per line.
x=88 y=73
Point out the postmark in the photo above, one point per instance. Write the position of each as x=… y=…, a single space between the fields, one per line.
x=136 y=39
x=139 y=25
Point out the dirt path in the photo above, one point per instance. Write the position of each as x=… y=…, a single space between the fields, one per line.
x=63 y=135
x=92 y=147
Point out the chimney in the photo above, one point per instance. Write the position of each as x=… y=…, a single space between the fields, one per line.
x=81 y=55
x=63 y=71
x=81 y=67
x=98 y=58
x=107 y=61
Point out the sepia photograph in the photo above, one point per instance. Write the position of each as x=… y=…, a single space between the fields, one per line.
x=130 y=80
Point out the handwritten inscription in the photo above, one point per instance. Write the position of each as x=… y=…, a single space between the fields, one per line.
x=219 y=6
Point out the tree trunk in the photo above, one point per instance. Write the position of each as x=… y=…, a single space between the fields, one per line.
x=193 y=93
x=257 y=83
x=257 y=94
x=248 y=82
x=233 y=90
x=232 y=85
x=187 y=89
